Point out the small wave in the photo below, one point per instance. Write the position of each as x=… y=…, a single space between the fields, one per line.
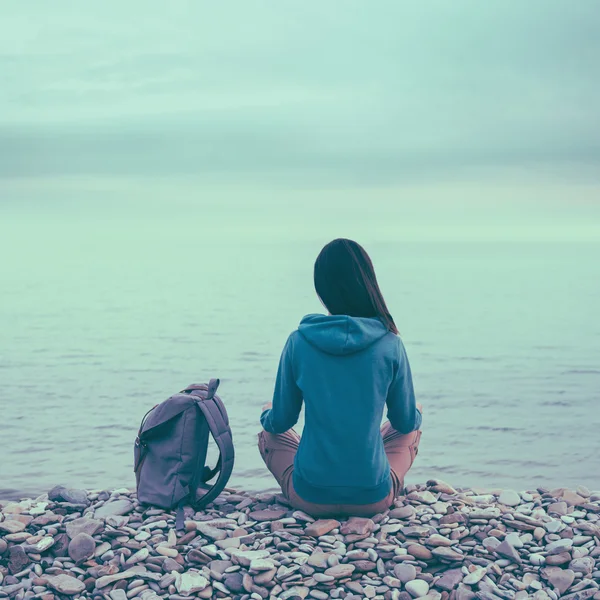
x=113 y=427
x=582 y=372
x=548 y=347
x=490 y=428
x=532 y=464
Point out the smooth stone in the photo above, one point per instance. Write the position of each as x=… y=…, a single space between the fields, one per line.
x=12 y=526
x=456 y=517
x=416 y=531
x=402 y=512
x=60 y=493
x=261 y=564
x=264 y=577
x=267 y=515
x=439 y=508
x=245 y=557
x=340 y=571
x=475 y=576
x=583 y=491
x=448 y=554
x=355 y=587
x=491 y=543
x=139 y=556
x=233 y=542
x=105 y=580
x=438 y=485
x=508 y=551
x=573 y=499
x=75 y=496
x=425 y=497
x=420 y=552
x=485 y=514
x=558 y=559
x=117 y=520
x=234 y=582
x=405 y=572
x=82 y=547
x=166 y=551
x=357 y=526
x=293 y=592
x=17 y=559
x=17 y=538
x=537 y=559
x=83 y=525
x=318 y=560
x=321 y=527
x=514 y=539
x=560 y=579
x=392 y=582
x=464 y=593
x=554 y=526
x=22 y=518
x=114 y=508
x=210 y=532
x=439 y=540
x=117 y=594
x=42 y=545
x=584 y=565
x=65 y=584
x=302 y=516
x=557 y=508
x=417 y=588
x=449 y=580
x=364 y=566
x=190 y=582
x=509 y=498
x=169 y=565
x=322 y=578
x=562 y=545
x=61 y=545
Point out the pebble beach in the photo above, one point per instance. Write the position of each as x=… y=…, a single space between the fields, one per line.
x=436 y=543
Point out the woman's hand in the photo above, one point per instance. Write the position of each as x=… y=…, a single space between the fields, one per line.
x=267 y=406
x=420 y=407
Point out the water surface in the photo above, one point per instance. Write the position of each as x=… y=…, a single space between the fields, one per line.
x=98 y=325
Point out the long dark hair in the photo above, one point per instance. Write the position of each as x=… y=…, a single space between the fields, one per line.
x=346 y=283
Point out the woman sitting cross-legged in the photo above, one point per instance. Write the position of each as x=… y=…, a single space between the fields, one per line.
x=347 y=367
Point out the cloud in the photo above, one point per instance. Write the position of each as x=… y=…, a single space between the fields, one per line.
x=327 y=92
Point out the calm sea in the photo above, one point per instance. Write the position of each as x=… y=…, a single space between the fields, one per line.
x=96 y=327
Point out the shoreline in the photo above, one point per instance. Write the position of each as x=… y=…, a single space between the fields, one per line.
x=437 y=543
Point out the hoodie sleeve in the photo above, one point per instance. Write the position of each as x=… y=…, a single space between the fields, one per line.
x=401 y=405
x=287 y=397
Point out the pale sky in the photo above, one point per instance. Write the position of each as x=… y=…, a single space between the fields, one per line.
x=357 y=99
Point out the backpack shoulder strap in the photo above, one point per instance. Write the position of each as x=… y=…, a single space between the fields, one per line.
x=216 y=416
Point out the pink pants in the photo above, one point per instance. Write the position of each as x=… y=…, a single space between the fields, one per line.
x=278 y=452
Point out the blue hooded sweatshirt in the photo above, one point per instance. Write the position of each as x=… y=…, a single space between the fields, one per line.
x=346 y=370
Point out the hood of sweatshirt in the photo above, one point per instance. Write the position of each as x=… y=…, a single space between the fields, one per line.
x=341 y=334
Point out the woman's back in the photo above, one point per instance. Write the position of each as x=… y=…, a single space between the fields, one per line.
x=344 y=369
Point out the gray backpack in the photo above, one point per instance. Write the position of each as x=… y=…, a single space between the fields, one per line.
x=171 y=449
